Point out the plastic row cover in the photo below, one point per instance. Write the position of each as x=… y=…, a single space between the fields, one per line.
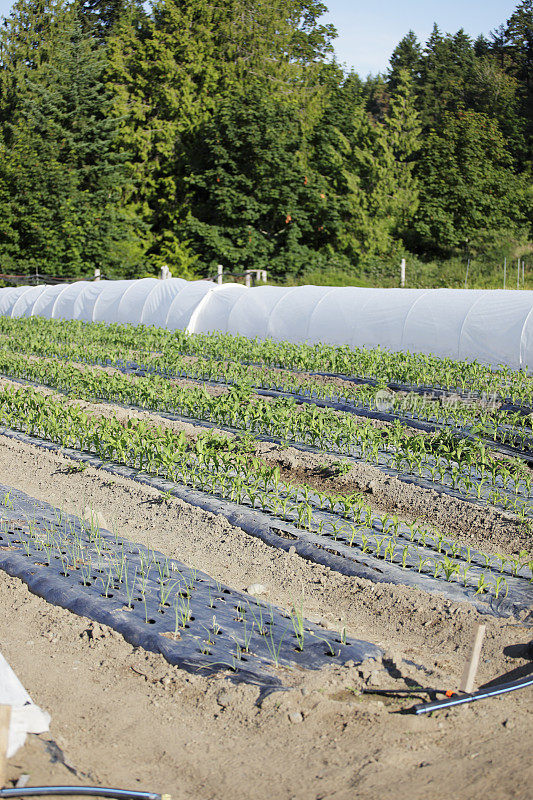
x=494 y=327
x=166 y=304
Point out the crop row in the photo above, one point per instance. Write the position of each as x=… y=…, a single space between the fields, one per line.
x=379 y=365
x=475 y=419
x=204 y=624
x=218 y=467
x=464 y=465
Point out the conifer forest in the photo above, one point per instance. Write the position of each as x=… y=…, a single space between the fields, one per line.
x=192 y=133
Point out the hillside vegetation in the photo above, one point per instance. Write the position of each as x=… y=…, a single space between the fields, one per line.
x=192 y=133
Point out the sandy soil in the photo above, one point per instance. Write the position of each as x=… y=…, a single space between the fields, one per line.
x=126 y=718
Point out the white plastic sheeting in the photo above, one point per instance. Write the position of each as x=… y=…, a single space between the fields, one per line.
x=148 y=301
x=494 y=327
x=26 y=717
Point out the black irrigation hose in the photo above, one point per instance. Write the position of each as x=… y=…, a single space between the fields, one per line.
x=399 y=692
x=92 y=791
x=481 y=694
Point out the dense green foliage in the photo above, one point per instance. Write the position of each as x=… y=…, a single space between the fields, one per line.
x=194 y=133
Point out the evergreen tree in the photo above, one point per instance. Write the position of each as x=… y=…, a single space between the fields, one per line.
x=498 y=40
x=482 y=46
x=519 y=47
x=61 y=179
x=378 y=97
x=403 y=133
x=251 y=202
x=100 y=17
x=406 y=56
x=367 y=167
x=339 y=144
x=446 y=76
x=494 y=92
x=28 y=38
x=470 y=199
x=172 y=70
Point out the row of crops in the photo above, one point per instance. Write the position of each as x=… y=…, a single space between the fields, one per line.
x=464 y=463
x=468 y=434
x=370 y=366
x=157 y=602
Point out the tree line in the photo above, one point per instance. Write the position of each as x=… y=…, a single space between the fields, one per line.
x=197 y=132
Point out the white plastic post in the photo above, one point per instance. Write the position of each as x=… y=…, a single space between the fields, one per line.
x=219 y=274
x=504 y=271
x=466 y=276
x=264 y=275
x=248 y=278
x=402 y=273
x=518 y=274
x=97 y=274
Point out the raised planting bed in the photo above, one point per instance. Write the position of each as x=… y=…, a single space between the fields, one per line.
x=159 y=603
x=337 y=531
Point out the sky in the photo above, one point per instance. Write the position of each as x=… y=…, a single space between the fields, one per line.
x=369 y=30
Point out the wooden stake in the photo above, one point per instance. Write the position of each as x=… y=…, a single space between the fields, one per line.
x=5 y=719
x=469 y=674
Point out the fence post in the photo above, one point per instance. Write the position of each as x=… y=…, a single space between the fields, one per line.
x=504 y=270
x=518 y=274
x=220 y=270
x=402 y=273
x=248 y=278
x=97 y=274
x=467 y=268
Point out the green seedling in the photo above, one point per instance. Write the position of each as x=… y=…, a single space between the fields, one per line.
x=499 y=583
x=298 y=625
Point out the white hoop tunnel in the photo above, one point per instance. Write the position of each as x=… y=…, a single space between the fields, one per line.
x=492 y=326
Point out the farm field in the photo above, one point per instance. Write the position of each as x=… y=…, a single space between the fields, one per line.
x=361 y=510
